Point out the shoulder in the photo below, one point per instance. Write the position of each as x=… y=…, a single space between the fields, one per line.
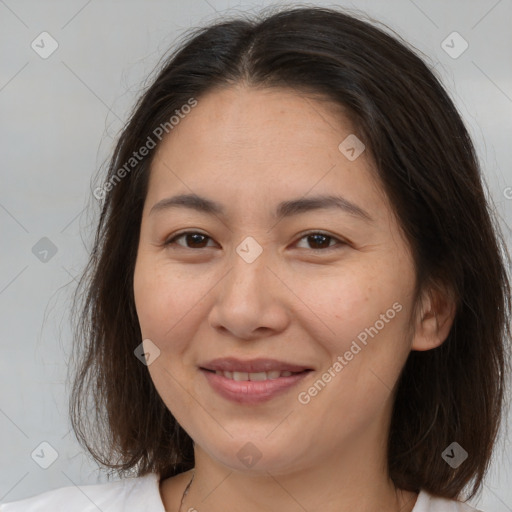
x=429 y=503
x=136 y=493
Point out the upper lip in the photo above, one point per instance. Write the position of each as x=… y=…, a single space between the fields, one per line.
x=232 y=364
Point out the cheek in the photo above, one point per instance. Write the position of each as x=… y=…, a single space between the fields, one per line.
x=156 y=299
x=372 y=348
x=167 y=308
x=168 y=302
x=363 y=312
x=344 y=302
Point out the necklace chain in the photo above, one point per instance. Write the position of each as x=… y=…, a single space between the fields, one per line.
x=185 y=492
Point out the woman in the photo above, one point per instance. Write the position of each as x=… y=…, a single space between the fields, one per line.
x=297 y=298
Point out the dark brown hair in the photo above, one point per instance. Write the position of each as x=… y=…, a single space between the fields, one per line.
x=427 y=166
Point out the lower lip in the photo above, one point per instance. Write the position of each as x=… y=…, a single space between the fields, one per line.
x=251 y=392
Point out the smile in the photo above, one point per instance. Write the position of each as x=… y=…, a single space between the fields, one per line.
x=259 y=376
x=252 y=388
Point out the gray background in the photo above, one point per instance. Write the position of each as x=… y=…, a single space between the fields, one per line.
x=59 y=118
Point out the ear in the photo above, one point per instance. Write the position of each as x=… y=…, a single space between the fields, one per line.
x=434 y=318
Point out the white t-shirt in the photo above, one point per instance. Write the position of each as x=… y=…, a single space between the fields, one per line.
x=142 y=494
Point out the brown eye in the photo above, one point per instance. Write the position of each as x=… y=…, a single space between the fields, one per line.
x=193 y=240
x=318 y=241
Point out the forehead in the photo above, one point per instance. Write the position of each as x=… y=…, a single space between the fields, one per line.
x=267 y=142
x=243 y=116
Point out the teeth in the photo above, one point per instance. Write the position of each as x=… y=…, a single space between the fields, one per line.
x=238 y=376
x=258 y=376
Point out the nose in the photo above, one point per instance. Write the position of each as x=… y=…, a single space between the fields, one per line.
x=250 y=300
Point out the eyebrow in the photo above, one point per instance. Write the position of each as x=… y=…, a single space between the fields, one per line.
x=284 y=209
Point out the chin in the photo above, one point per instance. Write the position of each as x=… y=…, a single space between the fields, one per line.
x=255 y=455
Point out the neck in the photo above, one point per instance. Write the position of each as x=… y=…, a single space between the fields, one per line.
x=360 y=483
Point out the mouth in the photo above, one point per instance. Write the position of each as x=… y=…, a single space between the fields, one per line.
x=256 y=376
x=252 y=382
x=253 y=366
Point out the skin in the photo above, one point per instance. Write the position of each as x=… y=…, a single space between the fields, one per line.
x=301 y=302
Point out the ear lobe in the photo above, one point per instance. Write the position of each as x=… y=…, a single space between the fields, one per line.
x=435 y=319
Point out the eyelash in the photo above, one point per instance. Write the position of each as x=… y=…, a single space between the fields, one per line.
x=172 y=241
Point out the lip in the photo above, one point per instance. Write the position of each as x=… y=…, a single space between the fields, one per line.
x=232 y=364
x=251 y=392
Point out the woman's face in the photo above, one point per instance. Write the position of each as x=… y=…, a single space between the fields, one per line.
x=315 y=284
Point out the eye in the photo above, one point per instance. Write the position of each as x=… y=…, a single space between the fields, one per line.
x=321 y=241
x=196 y=240
x=193 y=237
